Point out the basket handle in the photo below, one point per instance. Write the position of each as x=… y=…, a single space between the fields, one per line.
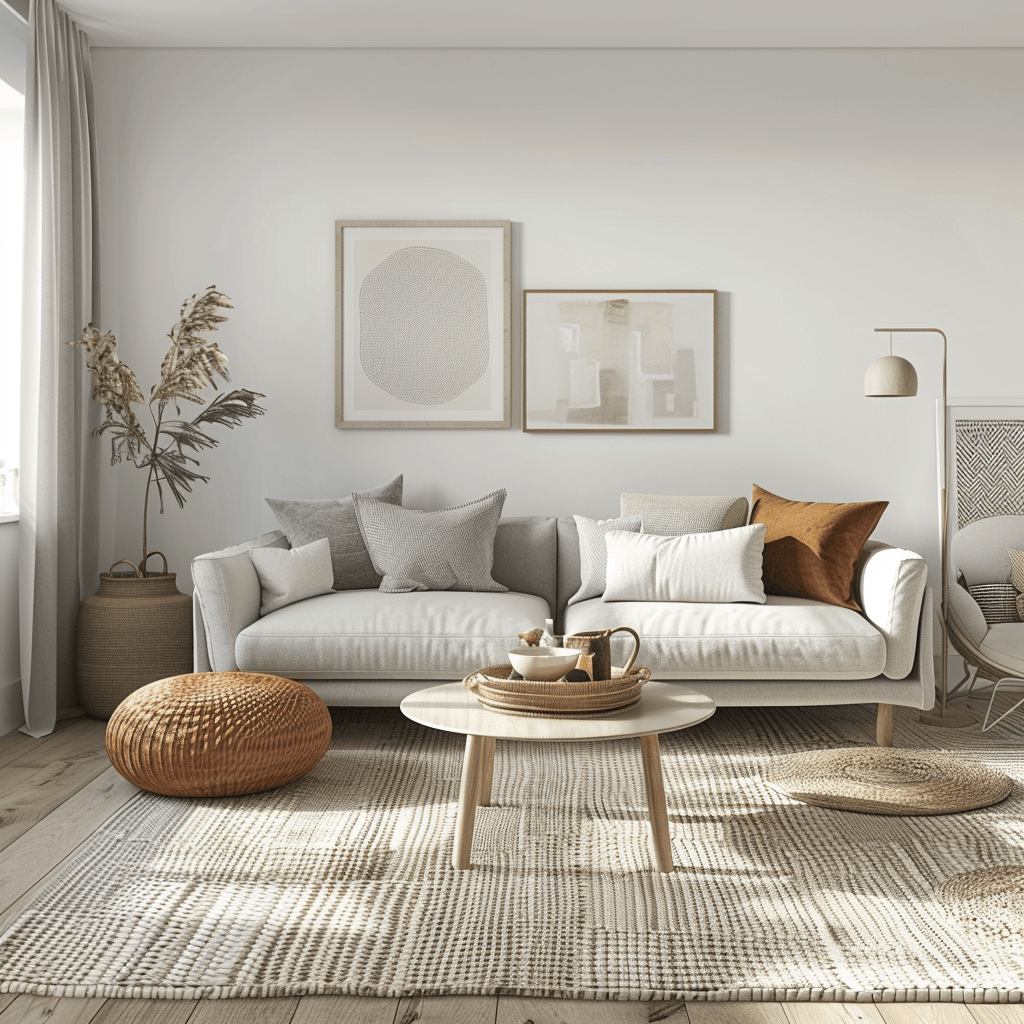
x=125 y=561
x=142 y=565
x=636 y=645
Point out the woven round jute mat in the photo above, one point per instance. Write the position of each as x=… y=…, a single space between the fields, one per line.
x=886 y=780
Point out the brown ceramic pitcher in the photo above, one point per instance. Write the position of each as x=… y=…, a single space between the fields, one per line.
x=597 y=644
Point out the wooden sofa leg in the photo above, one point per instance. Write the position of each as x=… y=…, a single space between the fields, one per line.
x=883 y=725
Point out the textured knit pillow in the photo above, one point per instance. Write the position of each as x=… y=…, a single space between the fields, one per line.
x=811 y=547
x=594 y=554
x=997 y=601
x=1017 y=578
x=335 y=519
x=288 y=575
x=452 y=549
x=717 y=567
x=670 y=515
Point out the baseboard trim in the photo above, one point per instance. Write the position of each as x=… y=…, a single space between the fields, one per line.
x=12 y=711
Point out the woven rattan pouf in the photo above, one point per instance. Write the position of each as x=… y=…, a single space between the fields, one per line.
x=218 y=734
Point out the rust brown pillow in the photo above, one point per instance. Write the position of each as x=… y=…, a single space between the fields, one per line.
x=811 y=547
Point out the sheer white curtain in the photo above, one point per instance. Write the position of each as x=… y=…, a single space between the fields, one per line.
x=59 y=460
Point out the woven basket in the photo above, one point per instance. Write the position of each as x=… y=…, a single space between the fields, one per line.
x=135 y=630
x=218 y=734
x=494 y=688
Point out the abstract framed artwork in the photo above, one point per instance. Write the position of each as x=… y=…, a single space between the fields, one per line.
x=423 y=323
x=619 y=360
x=985 y=459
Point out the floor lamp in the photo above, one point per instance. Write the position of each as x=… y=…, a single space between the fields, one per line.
x=895 y=377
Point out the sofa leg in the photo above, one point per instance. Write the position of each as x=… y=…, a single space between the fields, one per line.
x=883 y=725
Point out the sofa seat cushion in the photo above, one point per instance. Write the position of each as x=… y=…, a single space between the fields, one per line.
x=364 y=634
x=1004 y=646
x=785 y=638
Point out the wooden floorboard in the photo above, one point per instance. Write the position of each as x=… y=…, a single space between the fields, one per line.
x=831 y=1013
x=62 y=789
x=925 y=1013
x=32 y=859
x=15 y=744
x=145 y=1011
x=37 y=782
x=345 y=1010
x=447 y=1010
x=51 y=1010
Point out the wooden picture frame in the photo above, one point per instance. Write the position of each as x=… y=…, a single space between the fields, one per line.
x=423 y=328
x=631 y=360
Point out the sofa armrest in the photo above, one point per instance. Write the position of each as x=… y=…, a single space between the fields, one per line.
x=890 y=583
x=228 y=591
x=966 y=615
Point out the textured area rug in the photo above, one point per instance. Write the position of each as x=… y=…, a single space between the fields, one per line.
x=342 y=882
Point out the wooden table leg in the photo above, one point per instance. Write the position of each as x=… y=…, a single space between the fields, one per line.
x=486 y=771
x=656 y=806
x=468 y=794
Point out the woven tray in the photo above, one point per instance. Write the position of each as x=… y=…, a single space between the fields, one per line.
x=541 y=699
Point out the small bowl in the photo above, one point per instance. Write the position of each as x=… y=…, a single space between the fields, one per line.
x=543 y=663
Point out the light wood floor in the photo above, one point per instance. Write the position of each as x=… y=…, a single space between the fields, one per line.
x=56 y=791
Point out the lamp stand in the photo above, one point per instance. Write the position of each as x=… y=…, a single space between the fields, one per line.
x=943 y=716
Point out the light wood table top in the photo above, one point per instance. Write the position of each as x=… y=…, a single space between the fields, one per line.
x=664 y=707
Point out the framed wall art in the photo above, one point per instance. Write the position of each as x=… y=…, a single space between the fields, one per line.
x=423 y=323
x=985 y=459
x=619 y=360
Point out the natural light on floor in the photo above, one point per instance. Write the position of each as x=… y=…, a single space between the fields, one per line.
x=12 y=117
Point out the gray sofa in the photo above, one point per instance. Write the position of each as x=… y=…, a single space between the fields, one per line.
x=363 y=647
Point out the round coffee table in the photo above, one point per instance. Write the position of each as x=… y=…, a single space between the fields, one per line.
x=665 y=707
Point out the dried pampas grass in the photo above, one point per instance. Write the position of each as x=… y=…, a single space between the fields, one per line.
x=191 y=365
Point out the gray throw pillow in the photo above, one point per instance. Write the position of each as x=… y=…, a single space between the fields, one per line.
x=594 y=552
x=334 y=518
x=452 y=549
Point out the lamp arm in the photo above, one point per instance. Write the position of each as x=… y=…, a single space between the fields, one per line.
x=943 y=505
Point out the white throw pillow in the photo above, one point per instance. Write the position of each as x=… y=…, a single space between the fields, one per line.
x=594 y=555
x=288 y=575
x=716 y=568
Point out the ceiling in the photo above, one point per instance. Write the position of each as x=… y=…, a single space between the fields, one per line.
x=551 y=23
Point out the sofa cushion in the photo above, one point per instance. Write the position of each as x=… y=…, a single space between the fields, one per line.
x=720 y=566
x=307 y=520
x=365 y=634
x=594 y=552
x=293 y=574
x=1004 y=645
x=671 y=515
x=785 y=638
x=450 y=549
x=811 y=547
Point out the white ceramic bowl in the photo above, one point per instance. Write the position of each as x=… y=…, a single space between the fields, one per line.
x=547 y=663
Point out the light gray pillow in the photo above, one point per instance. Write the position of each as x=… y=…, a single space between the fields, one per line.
x=671 y=515
x=718 y=567
x=335 y=518
x=288 y=575
x=594 y=555
x=451 y=549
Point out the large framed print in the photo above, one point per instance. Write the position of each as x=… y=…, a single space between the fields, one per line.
x=423 y=323
x=619 y=360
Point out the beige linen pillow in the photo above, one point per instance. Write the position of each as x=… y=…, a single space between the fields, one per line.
x=670 y=515
x=288 y=575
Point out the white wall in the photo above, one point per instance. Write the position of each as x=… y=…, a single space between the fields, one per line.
x=824 y=193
